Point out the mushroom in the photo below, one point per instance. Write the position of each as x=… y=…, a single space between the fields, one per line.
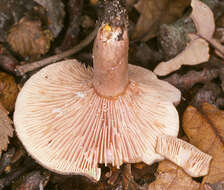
x=192 y=160
x=70 y=118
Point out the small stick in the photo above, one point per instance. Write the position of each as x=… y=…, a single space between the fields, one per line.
x=191 y=78
x=22 y=69
x=211 y=71
x=128 y=180
x=217 y=45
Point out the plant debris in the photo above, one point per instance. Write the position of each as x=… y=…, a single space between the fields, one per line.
x=215 y=186
x=187 y=57
x=208 y=122
x=21 y=70
x=8 y=62
x=75 y=11
x=56 y=14
x=200 y=13
x=6 y=159
x=6 y=129
x=34 y=181
x=27 y=38
x=153 y=13
x=11 y=12
x=8 y=91
x=172 y=177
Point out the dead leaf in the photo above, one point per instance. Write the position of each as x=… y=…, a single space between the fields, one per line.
x=6 y=129
x=7 y=61
x=56 y=14
x=8 y=91
x=153 y=13
x=205 y=130
x=201 y=13
x=28 y=38
x=142 y=171
x=172 y=177
x=216 y=186
x=204 y=22
x=197 y=51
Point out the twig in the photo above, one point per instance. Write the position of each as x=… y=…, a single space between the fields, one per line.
x=21 y=70
x=210 y=71
x=217 y=45
x=185 y=82
x=128 y=180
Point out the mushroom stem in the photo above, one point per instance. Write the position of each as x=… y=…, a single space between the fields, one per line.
x=110 y=61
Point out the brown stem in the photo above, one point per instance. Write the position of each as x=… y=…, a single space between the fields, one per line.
x=21 y=70
x=110 y=61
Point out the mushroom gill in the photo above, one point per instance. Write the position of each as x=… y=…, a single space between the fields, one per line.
x=191 y=159
x=69 y=128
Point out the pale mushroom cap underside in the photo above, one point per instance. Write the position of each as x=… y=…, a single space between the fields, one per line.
x=68 y=128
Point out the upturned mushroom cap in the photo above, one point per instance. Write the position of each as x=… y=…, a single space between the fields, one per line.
x=69 y=128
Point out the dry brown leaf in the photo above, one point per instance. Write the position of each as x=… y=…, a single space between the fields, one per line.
x=153 y=13
x=197 y=51
x=205 y=130
x=203 y=19
x=6 y=129
x=28 y=38
x=8 y=91
x=172 y=177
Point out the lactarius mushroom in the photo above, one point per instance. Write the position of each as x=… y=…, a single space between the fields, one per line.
x=70 y=118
